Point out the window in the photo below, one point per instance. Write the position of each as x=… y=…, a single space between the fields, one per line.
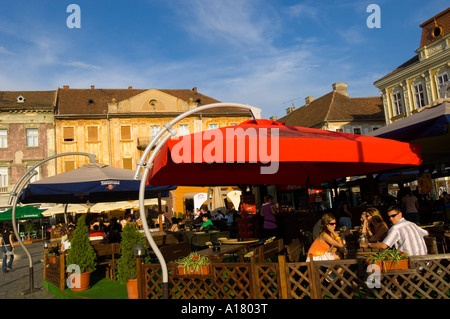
x=397 y=103
x=69 y=134
x=212 y=126
x=92 y=133
x=127 y=163
x=340 y=130
x=154 y=129
x=4 y=180
x=183 y=129
x=442 y=78
x=3 y=138
x=419 y=96
x=69 y=165
x=357 y=130
x=32 y=137
x=374 y=128
x=125 y=132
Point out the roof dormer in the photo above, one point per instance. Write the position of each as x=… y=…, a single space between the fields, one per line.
x=20 y=99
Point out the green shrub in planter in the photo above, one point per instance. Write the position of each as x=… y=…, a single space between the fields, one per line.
x=81 y=252
x=126 y=267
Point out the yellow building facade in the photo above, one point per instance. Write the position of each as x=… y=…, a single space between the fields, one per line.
x=117 y=125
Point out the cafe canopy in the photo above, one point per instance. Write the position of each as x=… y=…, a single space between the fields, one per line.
x=269 y=152
x=22 y=212
x=93 y=182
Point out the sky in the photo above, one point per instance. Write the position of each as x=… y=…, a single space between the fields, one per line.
x=271 y=54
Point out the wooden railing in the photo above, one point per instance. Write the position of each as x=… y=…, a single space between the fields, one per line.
x=427 y=278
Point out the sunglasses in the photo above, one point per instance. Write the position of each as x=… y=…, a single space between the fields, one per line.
x=332 y=224
x=392 y=216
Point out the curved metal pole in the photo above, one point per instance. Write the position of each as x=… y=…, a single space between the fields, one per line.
x=168 y=127
x=13 y=192
x=16 y=232
x=17 y=191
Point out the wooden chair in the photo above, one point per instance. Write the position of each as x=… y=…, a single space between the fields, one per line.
x=199 y=241
x=293 y=250
x=431 y=245
x=173 y=252
x=106 y=257
x=266 y=251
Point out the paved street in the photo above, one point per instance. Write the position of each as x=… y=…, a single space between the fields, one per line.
x=15 y=283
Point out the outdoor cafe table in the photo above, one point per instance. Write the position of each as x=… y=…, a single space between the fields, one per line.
x=218 y=256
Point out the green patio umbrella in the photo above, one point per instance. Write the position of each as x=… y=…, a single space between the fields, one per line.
x=22 y=212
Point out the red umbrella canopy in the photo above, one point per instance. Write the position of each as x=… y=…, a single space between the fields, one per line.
x=269 y=152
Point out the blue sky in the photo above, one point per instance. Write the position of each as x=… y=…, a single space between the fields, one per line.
x=264 y=53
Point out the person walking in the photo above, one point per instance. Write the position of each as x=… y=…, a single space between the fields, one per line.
x=7 y=250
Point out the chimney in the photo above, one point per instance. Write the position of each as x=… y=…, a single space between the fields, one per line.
x=65 y=87
x=309 y=99
x=273 y=118
x=92 y=87
x=289 y=110
x=194 y=89
x=340 y=87
x=130 y=87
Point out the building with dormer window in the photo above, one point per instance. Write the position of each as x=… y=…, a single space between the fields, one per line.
x=424 y=78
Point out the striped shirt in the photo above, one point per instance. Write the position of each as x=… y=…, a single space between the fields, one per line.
x=407 y=237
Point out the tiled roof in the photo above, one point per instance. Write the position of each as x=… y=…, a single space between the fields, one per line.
x=335 y=106
x=95 y=101
x=90 y=101
x=32 y=100
x=441 y=20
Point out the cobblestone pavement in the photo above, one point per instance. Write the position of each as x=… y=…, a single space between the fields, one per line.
x=16 y=284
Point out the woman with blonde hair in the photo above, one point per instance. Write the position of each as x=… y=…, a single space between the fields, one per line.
x=324 y=246
x=375 y=228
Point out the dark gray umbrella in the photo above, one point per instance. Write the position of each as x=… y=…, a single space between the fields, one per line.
x=91 y=182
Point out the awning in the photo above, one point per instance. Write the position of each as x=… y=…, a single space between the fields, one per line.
x=22 y=212
x=428 y=128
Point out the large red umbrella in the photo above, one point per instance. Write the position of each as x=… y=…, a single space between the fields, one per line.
x=269 y=152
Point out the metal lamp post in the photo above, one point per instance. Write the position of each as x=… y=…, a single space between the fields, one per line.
x=147 y=165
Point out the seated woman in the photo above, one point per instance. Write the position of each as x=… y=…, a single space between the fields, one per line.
x=374 y=226
x=324 y=246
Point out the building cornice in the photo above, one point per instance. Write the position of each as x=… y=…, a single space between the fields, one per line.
x=408 y=72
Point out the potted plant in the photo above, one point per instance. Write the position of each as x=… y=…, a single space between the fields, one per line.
x=126 y=267
x=389 y=259
x=29 y=227
x=82 y=255
x=193 y=264
x=52 y=254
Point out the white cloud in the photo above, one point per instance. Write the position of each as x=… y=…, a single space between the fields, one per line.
x=235 y=22
x=3 y=50
x=83 y=65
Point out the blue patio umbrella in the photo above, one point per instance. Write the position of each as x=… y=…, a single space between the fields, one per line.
x=91 y=182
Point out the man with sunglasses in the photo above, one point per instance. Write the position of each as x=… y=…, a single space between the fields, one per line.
x=404 y=235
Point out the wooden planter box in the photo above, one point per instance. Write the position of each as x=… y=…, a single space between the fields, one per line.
x=393 y=264
x=202 y=271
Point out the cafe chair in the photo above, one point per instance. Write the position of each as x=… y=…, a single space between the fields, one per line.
x=431 y=245
x=199 y=241
x=293 y=250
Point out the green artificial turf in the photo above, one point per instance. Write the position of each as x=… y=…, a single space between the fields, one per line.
x=100 y=288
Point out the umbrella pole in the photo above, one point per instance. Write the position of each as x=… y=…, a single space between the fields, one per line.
x=15 y=228
x=147 y=165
